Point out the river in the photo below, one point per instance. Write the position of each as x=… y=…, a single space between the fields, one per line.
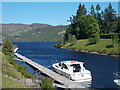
x=102 y=67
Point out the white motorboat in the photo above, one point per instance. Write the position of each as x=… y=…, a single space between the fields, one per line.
x=73 y=70
x=117 y=78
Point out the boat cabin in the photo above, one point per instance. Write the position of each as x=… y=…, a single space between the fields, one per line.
x=72 y=66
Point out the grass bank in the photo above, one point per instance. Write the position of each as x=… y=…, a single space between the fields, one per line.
x=7 y=70
x=9 y=83
x=102 y=47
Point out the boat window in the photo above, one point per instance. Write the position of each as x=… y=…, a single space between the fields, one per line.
x=64 y=66
x=60 y=64
x=76 y=67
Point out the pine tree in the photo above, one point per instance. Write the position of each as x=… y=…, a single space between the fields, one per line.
x=98 y=7
x=98 y=14
x=109 y=16
x=81 y=11
x=92 y=11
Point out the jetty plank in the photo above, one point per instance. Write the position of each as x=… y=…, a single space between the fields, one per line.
x=57 y=77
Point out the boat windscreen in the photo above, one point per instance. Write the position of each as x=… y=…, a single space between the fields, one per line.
x=76 y=67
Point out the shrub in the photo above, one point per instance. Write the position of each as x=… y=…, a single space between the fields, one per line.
x=47 y=84
x=57 y=45
x=27 y=74
x=115 y=39
x=97 y=37
x=11 y=60
x=8 y=48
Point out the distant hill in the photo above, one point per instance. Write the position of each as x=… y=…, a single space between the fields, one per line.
x=32 y=33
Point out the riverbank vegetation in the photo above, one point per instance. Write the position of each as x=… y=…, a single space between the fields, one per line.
x=47 y=84
x=12 y=73
x=93 y=30
x=11 y=69
x=9 y=54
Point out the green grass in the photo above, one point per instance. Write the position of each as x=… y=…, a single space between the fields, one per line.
x=6 y=82
x=9 y=83
x=6 y=70
x=103 y=46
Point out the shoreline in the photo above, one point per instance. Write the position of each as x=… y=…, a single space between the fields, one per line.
x=84 y=51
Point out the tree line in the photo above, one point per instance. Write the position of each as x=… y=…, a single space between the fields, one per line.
x=85 y=25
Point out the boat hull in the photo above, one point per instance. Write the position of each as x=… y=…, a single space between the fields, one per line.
x=75 y=77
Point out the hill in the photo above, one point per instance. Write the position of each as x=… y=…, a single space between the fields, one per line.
x=32 y=33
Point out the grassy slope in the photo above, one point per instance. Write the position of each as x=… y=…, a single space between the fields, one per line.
x=9 y=83
x=7 y=70
x=100 y=47
x=6 y=82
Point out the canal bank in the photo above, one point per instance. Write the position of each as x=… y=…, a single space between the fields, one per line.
x=103 y=47
x=85 y=51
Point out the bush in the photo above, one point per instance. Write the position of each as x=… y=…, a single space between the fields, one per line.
x=115 y=39
x=47 y=84
x=57 y=45
x=11 y=60
x=27 y=74
x=97 y=37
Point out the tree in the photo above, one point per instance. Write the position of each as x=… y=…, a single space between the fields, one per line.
x=8 y=48
x=81 y=11
x=118 y=25
x=88 y=25
x=109 y=19
x=98 y=14
x=98 y=7
x=109 y=13
x=92 y=11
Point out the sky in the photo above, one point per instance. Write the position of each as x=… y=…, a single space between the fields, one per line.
x=53 y=13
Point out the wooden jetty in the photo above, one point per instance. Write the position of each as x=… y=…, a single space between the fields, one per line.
x=61 y=79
